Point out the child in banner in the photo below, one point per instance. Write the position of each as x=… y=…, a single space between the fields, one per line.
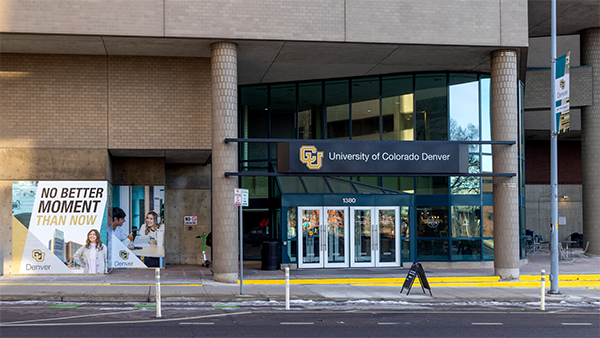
x=93 y=255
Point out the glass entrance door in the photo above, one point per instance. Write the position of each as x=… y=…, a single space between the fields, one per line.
x=322 y=241
x=375 y=240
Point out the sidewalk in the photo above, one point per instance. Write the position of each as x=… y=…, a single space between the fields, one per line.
x=579 y=284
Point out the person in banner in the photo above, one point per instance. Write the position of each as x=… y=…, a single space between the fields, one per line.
x=151 y=227
x=93 y=255
x=155 y=232
x=117 y=227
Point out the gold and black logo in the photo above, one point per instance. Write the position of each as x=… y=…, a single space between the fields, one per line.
x=38 y=255
x=562 y=84
x=311 y=157
x=124 y=255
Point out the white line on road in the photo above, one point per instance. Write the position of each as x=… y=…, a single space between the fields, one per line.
x=576 y=324
x=296 y=323
x=126 y=321
x=196 y=323
x=387 y=323
x=487 y=324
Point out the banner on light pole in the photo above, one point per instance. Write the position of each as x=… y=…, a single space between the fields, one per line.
x=562 y=94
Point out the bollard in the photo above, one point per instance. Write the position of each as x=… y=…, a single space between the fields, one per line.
x=287 y=288
x=157 y=275
x=543 y=302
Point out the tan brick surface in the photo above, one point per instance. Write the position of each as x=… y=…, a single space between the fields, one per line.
x=590 y=143
x=456 y=22
x=67 y=101
x=224 y=112
x=505 y=127
x=53 y=101
x=117 y=17
x=159 y=103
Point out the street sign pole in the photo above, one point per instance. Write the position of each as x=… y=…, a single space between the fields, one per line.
x=237 y=200
x=553 y=161
x=240 y=198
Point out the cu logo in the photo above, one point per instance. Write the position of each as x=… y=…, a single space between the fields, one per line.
x=124 y=255
x=38 y=255
x=311 y=157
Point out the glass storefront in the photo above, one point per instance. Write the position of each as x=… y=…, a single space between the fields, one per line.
x=452 y=215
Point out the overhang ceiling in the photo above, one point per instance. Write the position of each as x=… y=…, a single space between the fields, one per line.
x=271 y=61
x=572 y=16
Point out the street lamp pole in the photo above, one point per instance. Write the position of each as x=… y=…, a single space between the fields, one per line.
x=553 y=161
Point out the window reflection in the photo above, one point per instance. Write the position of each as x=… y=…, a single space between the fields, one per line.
x=464 y=108
x=466 y=221
x=310 y=103
x=365 y=109
x=432 y=221
x=468 y=185
x=337 y=111
x=431 y=107
x=397 y=108
x=488 y=220
x=255 y=115
x=486 y=126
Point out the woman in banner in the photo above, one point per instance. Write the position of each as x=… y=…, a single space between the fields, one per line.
x=93 y=255
x=155 y=232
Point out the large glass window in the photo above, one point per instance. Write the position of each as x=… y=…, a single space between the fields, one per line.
x=466 y=221
x=310 y=106
x=430 y=107
x=283 y=111
x=431 y=103
x=365 y=109
x=397 y=108
x=337 y=109
x=255 y=116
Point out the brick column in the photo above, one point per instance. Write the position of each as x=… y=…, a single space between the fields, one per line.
x=224 y=159
x=590 y=144
x=505 y=127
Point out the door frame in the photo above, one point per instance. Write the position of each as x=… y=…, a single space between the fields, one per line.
x=323 y=239
x=375 y=245
x=346 y=242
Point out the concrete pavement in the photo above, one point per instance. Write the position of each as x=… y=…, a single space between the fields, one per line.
x=579 y=284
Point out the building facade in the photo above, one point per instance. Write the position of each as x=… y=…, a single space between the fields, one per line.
x=170 y=94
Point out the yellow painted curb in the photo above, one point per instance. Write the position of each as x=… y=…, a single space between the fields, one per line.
x=475 y=281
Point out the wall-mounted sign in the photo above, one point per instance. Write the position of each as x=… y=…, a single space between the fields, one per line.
x=379 y=157
x=240 y=197
x=190 y=220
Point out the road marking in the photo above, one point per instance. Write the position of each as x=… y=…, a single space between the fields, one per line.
x=387 y=323
x=296 y=323
x=487 y=324
x=576 y=324
x=68 y=306
x=196 y=323
x=28 y=323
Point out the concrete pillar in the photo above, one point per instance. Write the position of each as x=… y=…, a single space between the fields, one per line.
x=505 y=127
x=590 y=143
x=224 y=159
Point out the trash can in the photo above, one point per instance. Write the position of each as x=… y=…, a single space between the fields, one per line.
x=270 y=258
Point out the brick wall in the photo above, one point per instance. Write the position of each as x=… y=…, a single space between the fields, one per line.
x=159 y=103
x=72 y=101
x=53 y=101
x=537 y=162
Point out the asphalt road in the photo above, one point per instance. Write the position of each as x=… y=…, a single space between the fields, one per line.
x=272 y=320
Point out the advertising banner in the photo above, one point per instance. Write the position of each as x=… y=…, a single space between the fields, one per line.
x=136 y=230
x=377 y=157
x=55 y=223
x=562 y=93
